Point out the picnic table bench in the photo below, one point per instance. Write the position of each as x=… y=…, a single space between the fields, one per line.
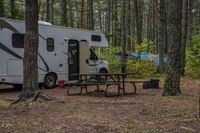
x=119 y=81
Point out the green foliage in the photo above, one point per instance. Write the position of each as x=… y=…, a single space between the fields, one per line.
x=109 y=54
x=192 y=65
x=196 y=44
x=142 y=68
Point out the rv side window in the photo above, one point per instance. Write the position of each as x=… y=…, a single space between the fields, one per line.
x=96 y=38
x=50 y=44
x=18 y=40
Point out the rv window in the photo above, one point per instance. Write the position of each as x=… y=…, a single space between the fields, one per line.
x=96 y=38
x=18 y=40
x=50 y=44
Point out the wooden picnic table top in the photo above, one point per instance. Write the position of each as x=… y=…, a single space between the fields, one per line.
x=102 y=74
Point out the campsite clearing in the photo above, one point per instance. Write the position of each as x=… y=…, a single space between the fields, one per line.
x=145 y=112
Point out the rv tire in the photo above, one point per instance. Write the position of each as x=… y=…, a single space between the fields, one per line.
x=50 y=81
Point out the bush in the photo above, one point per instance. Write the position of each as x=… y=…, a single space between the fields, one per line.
x=192 y=65
x=142 y=68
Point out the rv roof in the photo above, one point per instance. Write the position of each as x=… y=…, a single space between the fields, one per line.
x=49 y=24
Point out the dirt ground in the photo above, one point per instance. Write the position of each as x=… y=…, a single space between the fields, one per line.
x=145 y=112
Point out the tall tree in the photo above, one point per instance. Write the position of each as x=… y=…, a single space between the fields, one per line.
x=63 y=7
x=123 y=35
x=172 y=80
x=129 y=44
x=1 y=8
x=71 y=13
x=161 y=35
x=13 y=11
x=184 y=33
x=83 y=14
x=139 y=4
x=30 y=82
x=52 y=12
x=48 y=10
x=90 y=15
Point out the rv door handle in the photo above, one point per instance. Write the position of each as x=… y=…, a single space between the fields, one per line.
x=87 y=61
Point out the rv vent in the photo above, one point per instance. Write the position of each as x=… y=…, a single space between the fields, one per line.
x=44 y=23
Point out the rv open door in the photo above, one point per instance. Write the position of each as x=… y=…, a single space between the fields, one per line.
x=84 y=57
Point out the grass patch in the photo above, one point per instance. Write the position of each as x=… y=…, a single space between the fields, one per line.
x=174 y=114
x=61 y=107
x=6 y=125
x=3 y=104
x=130 y=121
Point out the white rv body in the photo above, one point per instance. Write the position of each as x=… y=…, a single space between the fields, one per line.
x=53 y=50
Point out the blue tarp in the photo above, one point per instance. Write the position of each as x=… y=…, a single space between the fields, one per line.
x=121 y=54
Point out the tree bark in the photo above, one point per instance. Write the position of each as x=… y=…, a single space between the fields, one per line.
x=184 y=34
x=99 y=14
x=123 y=34
x=82 y=14
x=31 y=47
x=52 y=12
x=48 y=10
x=90 y=15
x=71 y=13
x=139 y=19
x=13 y=11
x=161 y=37
x=63 y=7
x=172 y=80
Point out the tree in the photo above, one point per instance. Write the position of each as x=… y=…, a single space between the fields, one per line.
x=161 y=35
x=48 y=10
x=139 y=19
x=1 y=8
x=90 y=15
x=184 y=33
x=172 y=80
x=30 y=83
x=63 y=18
x=13 y=11
x=123 y=35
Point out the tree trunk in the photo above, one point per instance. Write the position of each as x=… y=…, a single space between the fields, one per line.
x=123 y=34
x=139 y=19
x=172 y=80
x=161 y=37
x=129 y=44
x=99 y=14
x=31 y=47
x=63 y=7
x=71 y=13
x=90 y=15
x=82 y=14
x=184 y=33
x=13 y=11
x=52 y=12
x=2 y=8
x=48 y=10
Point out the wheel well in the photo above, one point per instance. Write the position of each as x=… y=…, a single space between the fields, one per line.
x=103 y=69
x=53 y=74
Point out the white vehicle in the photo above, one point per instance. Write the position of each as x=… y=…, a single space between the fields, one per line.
x=62 y=51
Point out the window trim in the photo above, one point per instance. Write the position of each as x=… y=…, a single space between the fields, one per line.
x=50 y=45
x=96 y=38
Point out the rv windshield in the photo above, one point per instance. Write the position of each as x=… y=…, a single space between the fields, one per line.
x=93 y=56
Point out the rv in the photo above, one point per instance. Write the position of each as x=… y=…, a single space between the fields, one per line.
x=62 y=52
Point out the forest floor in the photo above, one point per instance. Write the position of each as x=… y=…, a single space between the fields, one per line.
x=145 y=112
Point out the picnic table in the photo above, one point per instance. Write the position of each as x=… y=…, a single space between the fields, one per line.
x=106 y=79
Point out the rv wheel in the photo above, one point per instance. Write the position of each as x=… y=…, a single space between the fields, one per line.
x=50 y=81
x=103 y=78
